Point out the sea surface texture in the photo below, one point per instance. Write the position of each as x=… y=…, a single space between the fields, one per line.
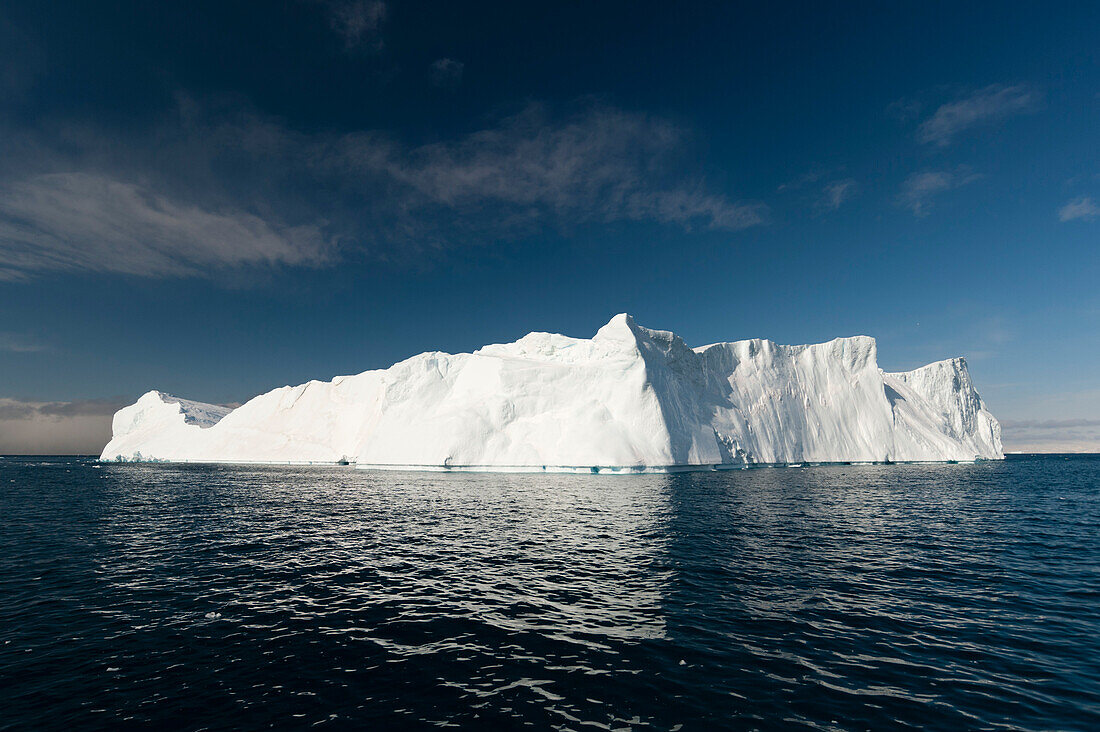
x=839 y=597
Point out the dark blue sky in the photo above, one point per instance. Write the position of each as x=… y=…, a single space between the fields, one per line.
x=215 y=199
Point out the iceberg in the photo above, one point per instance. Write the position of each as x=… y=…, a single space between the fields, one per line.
x=629 y=399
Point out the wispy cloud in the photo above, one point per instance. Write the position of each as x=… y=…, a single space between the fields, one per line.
x=905 y=109
x=78 y=408
x=821 y=189
x=801 y=181
x=81 y=221
x=836 y=193
x=982 y=107
x=1050 y=424
x=75 y=427
x=446 y=72
x=1082 y=207
x=15 y=343
x=357 y=22
x=1052 y=435
x=601 y=164
x=918 y=190
x=222 y=188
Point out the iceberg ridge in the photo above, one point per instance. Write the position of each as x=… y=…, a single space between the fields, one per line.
x=629 y=399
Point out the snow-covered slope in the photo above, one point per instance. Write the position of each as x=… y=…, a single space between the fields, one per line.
x=629 y=398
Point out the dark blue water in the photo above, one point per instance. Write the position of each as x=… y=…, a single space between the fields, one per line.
x=952 y=596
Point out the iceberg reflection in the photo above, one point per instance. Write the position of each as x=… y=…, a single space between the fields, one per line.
x=571 y=558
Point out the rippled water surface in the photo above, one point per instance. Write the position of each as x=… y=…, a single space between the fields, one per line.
x=947 y=596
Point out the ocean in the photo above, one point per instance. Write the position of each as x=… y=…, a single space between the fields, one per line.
x=832 y=597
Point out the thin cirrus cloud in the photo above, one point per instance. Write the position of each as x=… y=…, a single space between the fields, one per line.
x=446 y=72
x=919 y=189
x=985 y=106
x=82 y=221
x=1051 y=435
x=16 y=343
x=601 y=165
x=226 y=173
x=357 y=22
x=1081 y=208
x=836 y=193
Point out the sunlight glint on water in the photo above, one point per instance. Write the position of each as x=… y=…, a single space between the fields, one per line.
x=209 y=596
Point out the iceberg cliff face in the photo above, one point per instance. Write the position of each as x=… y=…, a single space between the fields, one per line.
x=629 y=398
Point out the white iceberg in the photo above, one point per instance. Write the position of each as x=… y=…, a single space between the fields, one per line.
x=628 y=399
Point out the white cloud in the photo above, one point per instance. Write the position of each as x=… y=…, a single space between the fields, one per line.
x=918 y=190
x=1083 y=208
x=982 y=107
x=835 y=193
x=81 y=221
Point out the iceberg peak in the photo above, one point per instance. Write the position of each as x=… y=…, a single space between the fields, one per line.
x=620 y=329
